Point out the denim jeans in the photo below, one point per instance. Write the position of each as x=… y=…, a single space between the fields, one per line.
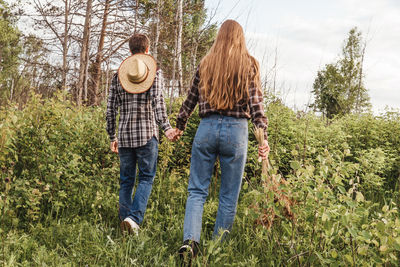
x=146 y=159
x=225 y=137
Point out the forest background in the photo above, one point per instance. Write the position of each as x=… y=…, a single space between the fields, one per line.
x=59 y=181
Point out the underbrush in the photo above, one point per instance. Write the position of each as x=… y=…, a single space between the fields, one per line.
x=59 y=193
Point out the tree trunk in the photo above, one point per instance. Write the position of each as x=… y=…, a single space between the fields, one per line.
x=12 y=90
x=157 y=37
x=194 y=56
x=275 y=68
x=173 y=78
x=360 y=78
x=99 y=56
x=136 y=15
x=65 y=45
x=107 y=82
x=86 y=78
x=179 y=46
x=108 y=59
x=84 y=61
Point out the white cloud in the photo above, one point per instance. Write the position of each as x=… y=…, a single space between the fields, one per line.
x=310 y=34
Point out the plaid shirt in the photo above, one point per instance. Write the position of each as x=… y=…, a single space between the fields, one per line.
x=253 y=108
x=139 y=113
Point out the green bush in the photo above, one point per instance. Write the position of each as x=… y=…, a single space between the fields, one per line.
x=57 y=159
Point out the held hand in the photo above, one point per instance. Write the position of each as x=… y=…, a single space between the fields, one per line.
x=114 y=146
x=263 y=150
x=170 y=133
x=178 y=134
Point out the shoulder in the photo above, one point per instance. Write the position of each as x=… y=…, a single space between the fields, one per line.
x=115 y=84
x=159 y=77
x=159 y=72
x=115 y=79
x=196 y=76
x=157 y=83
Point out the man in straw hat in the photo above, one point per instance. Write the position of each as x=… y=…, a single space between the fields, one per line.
x=136 y=90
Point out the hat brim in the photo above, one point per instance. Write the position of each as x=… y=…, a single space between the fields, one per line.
x=137 y=88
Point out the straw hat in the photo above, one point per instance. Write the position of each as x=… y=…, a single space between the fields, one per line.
x=136 y=73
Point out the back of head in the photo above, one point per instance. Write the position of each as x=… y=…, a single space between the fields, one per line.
x=228 y=70
x=139 y=43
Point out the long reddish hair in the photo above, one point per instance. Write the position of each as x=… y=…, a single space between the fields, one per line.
x=228 y=70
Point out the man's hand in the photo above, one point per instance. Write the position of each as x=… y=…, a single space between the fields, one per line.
x=173 y=134
x=170 y=133
x=114 y=146
x=263 y=150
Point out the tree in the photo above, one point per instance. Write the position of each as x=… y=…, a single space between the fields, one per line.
x=351 y=66
x=9 y=51
x=179 y=14
x=86 y=41
x=157 y=29
x=339 y=88
x=84 y=61
x=197 y=36
x=56 y=19
x=328 y=91
x=99 y=55
x=34 y=73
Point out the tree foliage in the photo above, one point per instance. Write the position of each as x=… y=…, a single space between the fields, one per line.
x=65 y=29
x=9 y=51
x=339 y=88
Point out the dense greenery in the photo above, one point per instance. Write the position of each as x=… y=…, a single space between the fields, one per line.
x=59 y=193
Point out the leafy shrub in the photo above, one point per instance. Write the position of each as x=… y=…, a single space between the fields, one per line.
x=57 y=156
x=333 y=225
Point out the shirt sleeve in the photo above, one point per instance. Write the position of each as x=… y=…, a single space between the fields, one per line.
x=258 y=117
x=112 y=108
x=158 y=102
x=189 y=104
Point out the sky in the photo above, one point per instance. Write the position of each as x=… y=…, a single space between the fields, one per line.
x=306 y=35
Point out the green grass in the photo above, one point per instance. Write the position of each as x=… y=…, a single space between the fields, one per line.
x=93 y=241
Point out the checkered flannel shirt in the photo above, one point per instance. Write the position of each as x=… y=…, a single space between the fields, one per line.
x=253 y=108
x=139 y=113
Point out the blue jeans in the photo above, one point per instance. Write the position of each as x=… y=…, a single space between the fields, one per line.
x=146 y=159
x=225 y=137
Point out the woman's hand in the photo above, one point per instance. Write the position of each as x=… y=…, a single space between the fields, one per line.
x=263 y=150
x=178 y=134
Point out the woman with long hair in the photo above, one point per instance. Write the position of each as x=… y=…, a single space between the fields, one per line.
x=227 y=88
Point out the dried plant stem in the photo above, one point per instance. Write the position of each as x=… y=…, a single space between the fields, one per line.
x=272 y=183
x=259 y=133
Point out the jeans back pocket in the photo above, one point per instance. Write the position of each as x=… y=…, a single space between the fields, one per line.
x=238 y=134
x=203 y=132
